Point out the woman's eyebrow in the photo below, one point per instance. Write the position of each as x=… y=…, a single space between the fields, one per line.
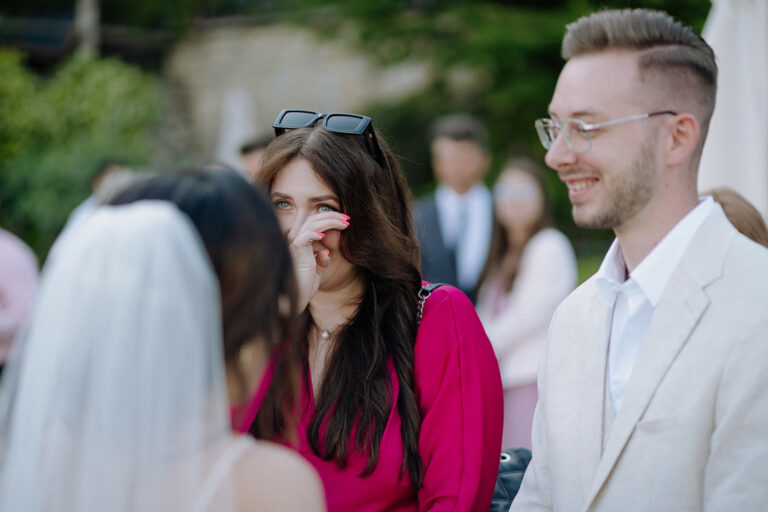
x=328 y=197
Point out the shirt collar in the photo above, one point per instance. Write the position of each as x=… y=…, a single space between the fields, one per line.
x=446 y=194
x=655 y=270
x=611 y=273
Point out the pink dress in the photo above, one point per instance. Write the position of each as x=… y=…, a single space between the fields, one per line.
x=458 y=388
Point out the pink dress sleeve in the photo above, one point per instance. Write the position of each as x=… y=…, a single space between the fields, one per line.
x=459 y=392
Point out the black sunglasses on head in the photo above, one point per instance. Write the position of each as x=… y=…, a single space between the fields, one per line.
x=355 y=124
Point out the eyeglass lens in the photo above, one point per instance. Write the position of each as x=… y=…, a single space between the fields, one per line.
x=575 y=136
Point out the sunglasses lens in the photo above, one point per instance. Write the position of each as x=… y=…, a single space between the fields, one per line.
x=345 y=123
x=297 y=119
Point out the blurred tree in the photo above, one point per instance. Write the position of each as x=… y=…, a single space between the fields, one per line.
x=87 y=27
x=55 y=132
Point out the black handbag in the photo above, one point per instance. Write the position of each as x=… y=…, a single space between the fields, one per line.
x=511 y=469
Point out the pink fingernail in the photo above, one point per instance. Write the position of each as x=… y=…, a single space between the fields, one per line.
x=345 y=216
x=345 y=223
x=328 y=253
x=321 y=235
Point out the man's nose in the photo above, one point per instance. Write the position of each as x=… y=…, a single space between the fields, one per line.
x=560 y=155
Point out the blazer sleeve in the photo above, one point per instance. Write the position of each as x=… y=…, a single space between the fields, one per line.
x=459 y=393
x=547 y=275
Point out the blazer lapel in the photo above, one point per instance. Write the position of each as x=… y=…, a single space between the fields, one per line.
x=675 y=317
x=593 y=360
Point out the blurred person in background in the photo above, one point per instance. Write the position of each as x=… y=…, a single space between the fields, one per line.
x=152 y=318
x=454 y=224
x=252 y=154
x=402 y=404
x=531 y=268
x=18 y=285
x=741 y=213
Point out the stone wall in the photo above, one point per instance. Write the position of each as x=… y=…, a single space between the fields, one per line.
x=227 y=84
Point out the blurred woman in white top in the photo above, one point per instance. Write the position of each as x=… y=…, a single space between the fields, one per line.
x=151 y=319
x=531 y=267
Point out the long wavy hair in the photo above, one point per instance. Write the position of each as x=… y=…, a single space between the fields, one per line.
x=356 y=397
x=502 y=247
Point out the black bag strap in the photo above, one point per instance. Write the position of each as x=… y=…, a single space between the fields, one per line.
x=424 y=294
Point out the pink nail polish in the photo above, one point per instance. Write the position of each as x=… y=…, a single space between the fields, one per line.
x=345 y=216
x=321 y=235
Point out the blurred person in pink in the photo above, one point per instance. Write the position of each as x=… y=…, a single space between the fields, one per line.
x=396 y=415
x=531 y=268
x=18 y=285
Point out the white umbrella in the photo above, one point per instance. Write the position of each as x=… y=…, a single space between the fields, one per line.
x=736 y=152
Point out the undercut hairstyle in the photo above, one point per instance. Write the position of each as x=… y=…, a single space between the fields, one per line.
x=357 y=393
x=460 y=127
x=668 y=50
x=250 y=258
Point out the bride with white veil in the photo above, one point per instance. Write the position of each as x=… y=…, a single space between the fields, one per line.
x=120 y=393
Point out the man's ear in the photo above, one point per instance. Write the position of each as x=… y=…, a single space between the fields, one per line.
x=683 y=137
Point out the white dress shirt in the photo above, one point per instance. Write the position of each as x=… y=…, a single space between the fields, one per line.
x=465 y=223
x=634 y=300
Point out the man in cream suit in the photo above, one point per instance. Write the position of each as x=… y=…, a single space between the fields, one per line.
x=653 y=388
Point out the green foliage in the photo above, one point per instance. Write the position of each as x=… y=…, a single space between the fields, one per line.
x=55 y=132
x=496 y=60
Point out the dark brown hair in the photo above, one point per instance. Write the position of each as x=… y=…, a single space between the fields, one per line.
x=381 y=243
x=251 y=260
x=501 y=245
x=460 y=127
x=668 y=50
x=740 y=212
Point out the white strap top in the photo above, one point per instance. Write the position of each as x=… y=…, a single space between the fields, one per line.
x=219 y=472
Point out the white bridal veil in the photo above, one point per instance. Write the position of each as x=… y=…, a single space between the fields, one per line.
x=118 y=401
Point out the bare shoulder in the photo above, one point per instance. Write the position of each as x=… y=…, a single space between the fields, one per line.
x=272 y=477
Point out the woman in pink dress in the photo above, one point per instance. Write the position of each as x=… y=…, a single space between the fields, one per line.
x=531 y=268
x=395 y=415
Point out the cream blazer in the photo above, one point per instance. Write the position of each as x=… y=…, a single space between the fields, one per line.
x=692 y=430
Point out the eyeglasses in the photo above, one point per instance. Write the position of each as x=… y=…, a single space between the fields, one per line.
x=577 y=133
x=355 y=124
